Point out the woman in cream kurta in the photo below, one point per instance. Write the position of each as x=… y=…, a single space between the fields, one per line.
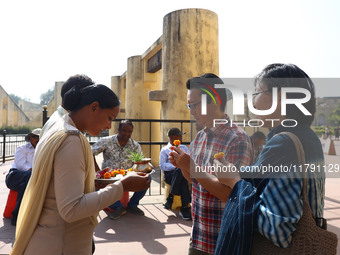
x=66 y=211
x=60 y=208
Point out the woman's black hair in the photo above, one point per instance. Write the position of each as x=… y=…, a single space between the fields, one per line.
x=76 y=98
x=289 y=75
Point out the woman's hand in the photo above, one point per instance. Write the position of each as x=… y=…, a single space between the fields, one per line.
x=136 y=181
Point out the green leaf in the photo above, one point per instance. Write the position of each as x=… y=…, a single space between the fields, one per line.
x=135 y=156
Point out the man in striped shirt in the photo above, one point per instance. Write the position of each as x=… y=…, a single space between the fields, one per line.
x=208 y=194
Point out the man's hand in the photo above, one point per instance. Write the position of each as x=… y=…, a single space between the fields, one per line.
x=179 y=158
x=136 y=181
x=227 y=177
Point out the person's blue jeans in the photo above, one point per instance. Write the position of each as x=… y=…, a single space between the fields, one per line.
x=179 y=185
x=134 y=200
x=17 y=180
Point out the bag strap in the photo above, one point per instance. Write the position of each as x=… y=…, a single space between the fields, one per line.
x=302 y=160
x=321 y=222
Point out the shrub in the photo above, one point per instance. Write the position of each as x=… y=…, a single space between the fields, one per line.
x=16 y=130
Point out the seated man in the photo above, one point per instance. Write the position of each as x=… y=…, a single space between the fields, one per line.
x=116 y=151
x=20 y=171
x=174 y=177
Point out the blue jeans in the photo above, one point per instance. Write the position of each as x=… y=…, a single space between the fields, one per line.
x=17 y=180
x=179 y=185
x=134 y=200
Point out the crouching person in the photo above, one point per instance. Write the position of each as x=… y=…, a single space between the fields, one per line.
x=20 y=171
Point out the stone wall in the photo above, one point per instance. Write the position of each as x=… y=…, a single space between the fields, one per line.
x=11 y=114
x=51 y=107
x=29 y=108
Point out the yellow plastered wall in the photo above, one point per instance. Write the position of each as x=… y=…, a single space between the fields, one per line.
x=5 y=111
x=15 y=118
x=152 y=81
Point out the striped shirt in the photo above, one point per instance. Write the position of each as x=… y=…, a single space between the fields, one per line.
x=207 y=209
x=272 y=206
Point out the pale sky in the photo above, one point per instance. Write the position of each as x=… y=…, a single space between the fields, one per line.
x=43 y=41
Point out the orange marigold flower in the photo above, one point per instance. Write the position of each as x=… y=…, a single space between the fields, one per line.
x=107 y=175
x=219 y=155
x=177 y=143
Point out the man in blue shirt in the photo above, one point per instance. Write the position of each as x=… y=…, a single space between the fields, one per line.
x=174 y=177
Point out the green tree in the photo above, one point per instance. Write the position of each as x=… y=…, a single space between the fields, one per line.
x=15 y=98
x=334 y=119
x=46 y=97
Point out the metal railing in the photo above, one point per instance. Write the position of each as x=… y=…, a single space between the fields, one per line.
x=9 y=144
x=150 y=143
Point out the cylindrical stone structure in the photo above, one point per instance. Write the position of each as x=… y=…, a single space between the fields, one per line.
x=137 y=103
x=134 y=86
x=190 y=48
x=115 y=81
x=134 y=91
x=115 y=86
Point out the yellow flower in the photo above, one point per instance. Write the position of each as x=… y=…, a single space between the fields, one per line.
x=177 y=143
x=107 y=175
x=219 y=155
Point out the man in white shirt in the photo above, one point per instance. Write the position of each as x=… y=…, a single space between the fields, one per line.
x=20 y=171
x=174 y=177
